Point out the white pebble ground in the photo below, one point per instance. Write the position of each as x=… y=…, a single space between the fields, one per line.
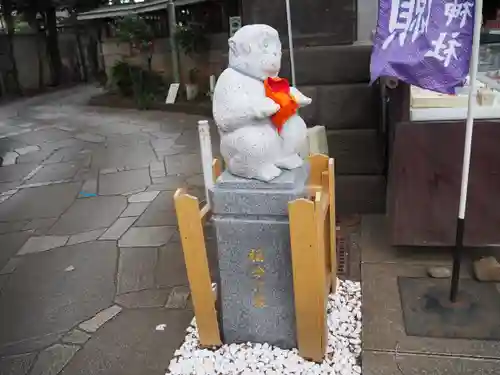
x=342 y=358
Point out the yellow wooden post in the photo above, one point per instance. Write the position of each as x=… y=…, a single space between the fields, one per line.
x=190 y=220
x=308 y=284
x=333 y=222
x=321 y=220
x=317 y=163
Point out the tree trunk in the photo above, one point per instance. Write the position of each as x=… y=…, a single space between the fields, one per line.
x=9 y=22
x=81 y=53
x=53 y=45
x=39 y=54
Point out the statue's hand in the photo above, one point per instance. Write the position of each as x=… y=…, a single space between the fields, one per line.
x=266 y=108
x=301 y=99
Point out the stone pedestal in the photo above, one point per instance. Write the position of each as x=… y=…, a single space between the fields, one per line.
x=253 y=242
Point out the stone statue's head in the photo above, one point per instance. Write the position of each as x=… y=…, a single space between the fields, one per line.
x=256 y=51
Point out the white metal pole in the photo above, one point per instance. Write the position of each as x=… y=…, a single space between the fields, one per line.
x=290 y=40
x=469 y=127
x=206 y=156
x=474 y=62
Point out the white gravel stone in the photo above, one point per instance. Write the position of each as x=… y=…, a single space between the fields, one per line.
x=342 y=358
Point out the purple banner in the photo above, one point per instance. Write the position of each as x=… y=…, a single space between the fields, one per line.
x=426 y=43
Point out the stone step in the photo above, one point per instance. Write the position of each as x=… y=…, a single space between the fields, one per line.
x=357 y=152
x=329 y=64
x=342 y=106
x=360 y=194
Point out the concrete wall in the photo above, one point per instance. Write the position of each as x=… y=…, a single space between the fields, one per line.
x=214 y=62
x=30 y=50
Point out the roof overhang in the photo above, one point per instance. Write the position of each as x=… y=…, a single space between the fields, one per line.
x=113 y=11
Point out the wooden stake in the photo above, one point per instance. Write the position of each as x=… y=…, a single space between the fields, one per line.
x=318 y=164
x=189 y=219
x=308 y=284
x=333 y=222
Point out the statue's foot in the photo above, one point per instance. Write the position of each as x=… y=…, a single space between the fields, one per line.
x=290 y=162
x=267 y=173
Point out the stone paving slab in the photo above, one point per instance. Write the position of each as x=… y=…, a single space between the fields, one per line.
x=34 y=157
x=17 y=365
x=146 y=237
x=85 y=237
x=16 y=172
x=134 y=209
x=119 y=227
x=3 y=281
x=131 y=345
x=15 y=226
x=31 y=344
x=40 y=226
x=27 y=150
x=178 y=298
x=101 y=318
x=41 y=136
x=160 y=212
x=387 y=364
x=10 y=244
x=185 y=164
x=171 y=269
x=136 y=269
x=35 y=290
x=168 y=183
x=143 y=197
x=89 y=188
x=52 y=360
x=139 y=156
x=76 y=337
x=43 y=243
x=383 y=326
x=11 y=266
x=40 y=202
x=88 y=137
x=90 y=214
x=55 y=172
x=377 y=249
x=143 y=299
x=123 y=182
x=6 y=186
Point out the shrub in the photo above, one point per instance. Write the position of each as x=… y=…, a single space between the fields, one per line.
x=140 y=84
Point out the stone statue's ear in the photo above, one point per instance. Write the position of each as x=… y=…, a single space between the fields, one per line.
x=232 y=47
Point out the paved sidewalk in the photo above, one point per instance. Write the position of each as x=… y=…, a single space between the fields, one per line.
x=92 y=278
x=387 y=349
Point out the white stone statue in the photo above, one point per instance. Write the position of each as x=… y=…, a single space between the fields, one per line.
x=250 y=143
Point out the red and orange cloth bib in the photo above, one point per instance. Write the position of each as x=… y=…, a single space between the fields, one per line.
x=278 y=89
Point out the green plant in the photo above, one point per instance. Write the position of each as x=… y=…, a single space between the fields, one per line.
x=121 y=76
x=135 y=31
x=191 y=38
x=140 y=84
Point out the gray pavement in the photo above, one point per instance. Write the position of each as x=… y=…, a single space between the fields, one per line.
x=387 y=349
x=90 y=260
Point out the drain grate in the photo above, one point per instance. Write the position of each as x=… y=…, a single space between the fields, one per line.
x=342 y=255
